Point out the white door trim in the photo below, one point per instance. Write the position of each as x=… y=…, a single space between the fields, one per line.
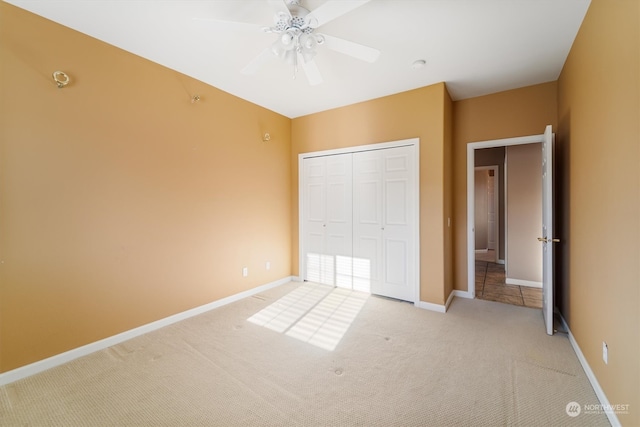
x=548 y=304
x=415 y=142
x=471 y=147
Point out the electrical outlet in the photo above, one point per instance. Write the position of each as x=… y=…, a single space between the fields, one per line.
x=267 y=265
x=245 y=271
x=605 y=353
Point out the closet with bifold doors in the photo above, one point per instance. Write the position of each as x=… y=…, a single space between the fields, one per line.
x=359 y=219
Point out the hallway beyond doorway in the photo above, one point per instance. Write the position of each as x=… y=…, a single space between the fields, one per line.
x=490 y=285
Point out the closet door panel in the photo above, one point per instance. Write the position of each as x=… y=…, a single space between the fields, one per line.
x=314 y=214
x=395 y=267
x=328 y=220
x=396 y=200
x=399 y=229
x=367 y=220
x=339 y=230
x=365 y=271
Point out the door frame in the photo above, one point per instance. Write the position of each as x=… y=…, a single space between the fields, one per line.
x=413 y=142
x=471 y=147
x=495 y=202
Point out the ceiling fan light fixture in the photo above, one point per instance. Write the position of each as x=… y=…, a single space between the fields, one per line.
x=308 y=41
x=287 y=39
x=296 y=42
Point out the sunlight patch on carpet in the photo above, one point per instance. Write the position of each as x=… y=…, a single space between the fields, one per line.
x=315 y=314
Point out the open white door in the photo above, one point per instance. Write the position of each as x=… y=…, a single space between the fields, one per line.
x=547 y=230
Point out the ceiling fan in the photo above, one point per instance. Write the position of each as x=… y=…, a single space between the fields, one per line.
x=297 y=39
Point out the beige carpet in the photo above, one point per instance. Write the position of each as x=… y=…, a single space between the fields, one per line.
x=482 y=363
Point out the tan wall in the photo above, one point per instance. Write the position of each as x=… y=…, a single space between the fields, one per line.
x=509 y=114
x=418 y=113
x=120 y=201
x=524 y=213
x=598 y=147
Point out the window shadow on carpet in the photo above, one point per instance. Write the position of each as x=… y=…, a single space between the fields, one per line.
x=316 y=314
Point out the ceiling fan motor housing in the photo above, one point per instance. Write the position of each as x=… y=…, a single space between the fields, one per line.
x=297 y=20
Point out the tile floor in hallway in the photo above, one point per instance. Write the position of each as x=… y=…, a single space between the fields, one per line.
x=490 y=285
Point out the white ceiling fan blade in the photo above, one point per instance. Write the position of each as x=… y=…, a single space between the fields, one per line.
x=310 y=70
x=356 y=50
x=331 y=10
x=254 y=65
x=222 y=25
x=280 y=6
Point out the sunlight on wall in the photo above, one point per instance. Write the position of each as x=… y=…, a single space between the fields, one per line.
x=317 y=314
x=362 y=274
x=320 y=269
x=341 y=271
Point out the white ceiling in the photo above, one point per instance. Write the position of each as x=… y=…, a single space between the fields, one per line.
x=476 y=46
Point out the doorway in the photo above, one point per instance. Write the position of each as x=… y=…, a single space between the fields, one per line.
x=488 y=278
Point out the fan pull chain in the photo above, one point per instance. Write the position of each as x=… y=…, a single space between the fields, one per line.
x=295 y=65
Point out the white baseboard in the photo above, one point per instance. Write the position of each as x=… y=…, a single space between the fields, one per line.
x=62 y=358
x=431 y=306
x=443 y=308
x=449 y=299
x=501 y=261
x=463 y=294
x=519 y=282
x=482 y=251
x=613 y=419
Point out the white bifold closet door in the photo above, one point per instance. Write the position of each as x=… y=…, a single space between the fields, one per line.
x=359 y=224
x=383 y=222
x=328 y=182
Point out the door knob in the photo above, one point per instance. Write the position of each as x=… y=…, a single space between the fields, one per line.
x=545 y=240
